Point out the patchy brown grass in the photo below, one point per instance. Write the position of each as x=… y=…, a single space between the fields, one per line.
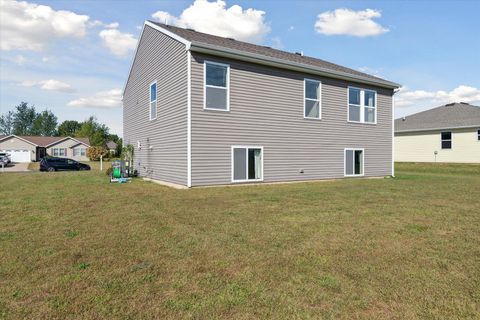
x=74 y=246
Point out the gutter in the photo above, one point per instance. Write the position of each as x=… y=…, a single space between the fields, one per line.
x=280 y=63
x=435 y=129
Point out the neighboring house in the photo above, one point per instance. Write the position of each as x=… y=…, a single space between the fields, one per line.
x=34 y=148
x=450 y=133
x=205 y=110
x=112 y=147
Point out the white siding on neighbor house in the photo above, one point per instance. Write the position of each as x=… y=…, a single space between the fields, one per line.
x=13 y=143
x=163 y=142
x=421 y=146
x=267 y=109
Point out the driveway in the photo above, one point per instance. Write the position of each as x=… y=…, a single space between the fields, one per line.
x=15 y=167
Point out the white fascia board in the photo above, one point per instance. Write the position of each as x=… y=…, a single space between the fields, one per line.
x=162 y=30
x=14 y=136
x=436 y=129
x=279 y=63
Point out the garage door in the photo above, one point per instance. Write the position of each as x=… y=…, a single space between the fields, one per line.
x=19 y=155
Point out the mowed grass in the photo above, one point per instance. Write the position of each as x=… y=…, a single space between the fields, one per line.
x=74 y=246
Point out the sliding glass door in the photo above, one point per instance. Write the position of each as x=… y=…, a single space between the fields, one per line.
x=247 y=164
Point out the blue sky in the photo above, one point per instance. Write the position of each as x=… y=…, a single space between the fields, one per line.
x=75 y=56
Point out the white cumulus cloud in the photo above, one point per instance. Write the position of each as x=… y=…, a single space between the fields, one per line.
x=117 y=42
x=420 y=98
x=349 y=22
x=50 y=85
x=101 y=100
x=29 y=26
x=215 y=18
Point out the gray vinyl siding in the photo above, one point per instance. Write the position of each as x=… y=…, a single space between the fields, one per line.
x=266 y=109
x=160 y=58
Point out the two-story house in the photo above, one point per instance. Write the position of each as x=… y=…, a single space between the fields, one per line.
x=206 y=110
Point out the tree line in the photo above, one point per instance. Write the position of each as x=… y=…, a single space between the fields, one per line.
x=24 y=120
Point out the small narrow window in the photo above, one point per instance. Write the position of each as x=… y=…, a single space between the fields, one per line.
x=247 y=164
x=353 y=162
x=362 y=105
x=478 y=135
x=83 y=151
x=55 y=152
x=312 y=102
x=216 y=86
x=153 y=100
x=446 y=140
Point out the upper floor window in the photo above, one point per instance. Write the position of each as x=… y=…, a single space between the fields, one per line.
x=153 y=100
x=446 y=140
x=216 y=89
x=362 y=105
x=478 y=134
x=312 y=102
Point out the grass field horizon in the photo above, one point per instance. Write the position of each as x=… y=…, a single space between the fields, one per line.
x=72 y=245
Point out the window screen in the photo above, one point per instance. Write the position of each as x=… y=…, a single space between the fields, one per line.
x=216 y=86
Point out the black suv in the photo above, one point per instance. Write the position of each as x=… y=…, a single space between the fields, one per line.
x=57 y=164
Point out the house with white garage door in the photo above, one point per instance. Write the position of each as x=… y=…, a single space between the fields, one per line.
x=34 y=148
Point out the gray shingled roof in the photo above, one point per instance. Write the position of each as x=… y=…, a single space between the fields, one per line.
x=229 y=43
x=449 y=116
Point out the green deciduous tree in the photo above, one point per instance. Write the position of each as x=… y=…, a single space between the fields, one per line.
x=68 y=128
x=95 y=131
x=6 y=123
x=23 y=119
x=45 y=124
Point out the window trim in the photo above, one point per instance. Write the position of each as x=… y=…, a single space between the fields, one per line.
x=345 y=162
x=205 y=62
x=232 y=168
x=362 y=105
x=150 y=100
x=441 y=140
x=305 y=98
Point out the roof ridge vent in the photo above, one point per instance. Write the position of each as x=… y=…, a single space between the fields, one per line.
x=466 y=103
x=299 y=53
x=450 y=104
x=230 y=38
x=191 y=29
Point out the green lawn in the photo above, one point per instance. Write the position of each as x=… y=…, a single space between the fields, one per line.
x=74 y=246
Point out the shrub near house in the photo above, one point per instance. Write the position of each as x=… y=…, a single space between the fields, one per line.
x=94 y=153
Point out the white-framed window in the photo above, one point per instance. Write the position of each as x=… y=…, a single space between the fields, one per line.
x=79 y=151
x=247 y=163
x=153 y=100
x=216 y=89
x=312 y=103
x=354 y=162
x=362 y=105
x=446 y=138
x=59 y=152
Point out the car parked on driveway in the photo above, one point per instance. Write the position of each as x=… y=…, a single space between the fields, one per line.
x=61 y=164
x=6 y=155
x=4 y=161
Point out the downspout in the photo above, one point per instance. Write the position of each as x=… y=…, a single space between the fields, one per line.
x=393 y=131
x=189 y=118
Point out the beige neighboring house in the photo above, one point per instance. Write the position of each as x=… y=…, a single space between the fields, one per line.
x=450 y=133
x=34 y=148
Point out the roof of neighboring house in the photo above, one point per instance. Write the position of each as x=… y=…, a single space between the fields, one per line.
x=46 y=141
x=449 y=116
x=199 y=40
x=111 y=145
